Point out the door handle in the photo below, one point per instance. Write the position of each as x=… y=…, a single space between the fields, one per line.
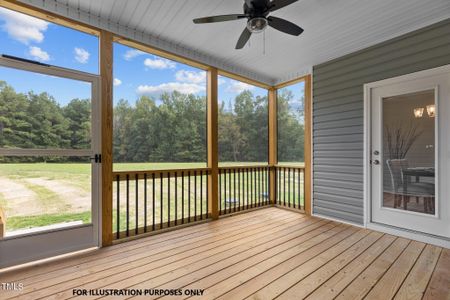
x=376 y=162
x=97 y=158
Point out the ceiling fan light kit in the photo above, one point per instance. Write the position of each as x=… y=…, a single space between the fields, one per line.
x=257 y=25
x=257 y=14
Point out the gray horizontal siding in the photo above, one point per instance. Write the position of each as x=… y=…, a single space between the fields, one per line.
x=338 y=112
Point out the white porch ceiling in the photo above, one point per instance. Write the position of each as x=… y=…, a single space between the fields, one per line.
x=332 y=28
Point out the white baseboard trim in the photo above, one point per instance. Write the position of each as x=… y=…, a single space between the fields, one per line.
x=337 y=220
x=421 y=237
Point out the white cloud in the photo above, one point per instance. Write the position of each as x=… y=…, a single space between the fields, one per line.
x=117 y=82
x=184 y=88
x=159 y=63
x=81 y=55
x=23 y=28
x=130 y=54
x=191 y=76
x=39 y=54
x=238 y=87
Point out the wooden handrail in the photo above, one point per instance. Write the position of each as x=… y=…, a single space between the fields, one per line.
x=243 y=167
x=132 y=174
x=290 y=167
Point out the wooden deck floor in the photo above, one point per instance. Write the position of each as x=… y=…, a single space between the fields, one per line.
x=264 y=254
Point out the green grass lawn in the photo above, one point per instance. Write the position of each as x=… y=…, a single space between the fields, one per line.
x=78 y=176
x=15 y=223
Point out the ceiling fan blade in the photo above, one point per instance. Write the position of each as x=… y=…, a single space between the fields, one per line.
x=243 y=39
x=284 y=26
x=277 y=4
x=220 y=18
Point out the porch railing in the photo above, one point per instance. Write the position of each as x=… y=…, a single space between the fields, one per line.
x=145 y=201
x=242 y=188
x=290 y=187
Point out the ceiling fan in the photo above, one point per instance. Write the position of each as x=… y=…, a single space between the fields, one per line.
x=257 y=14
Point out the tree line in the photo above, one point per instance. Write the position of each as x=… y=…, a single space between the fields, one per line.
x=169 y=128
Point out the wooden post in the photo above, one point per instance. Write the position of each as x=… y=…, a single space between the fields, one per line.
x=308 y=140
x=213 y=149
x=2 y=223
x=273 y=158
x=106 y=74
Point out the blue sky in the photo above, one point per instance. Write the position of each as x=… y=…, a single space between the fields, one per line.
x=297 y=104
x=135 y=73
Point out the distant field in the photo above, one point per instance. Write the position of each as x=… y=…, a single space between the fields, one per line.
x=40 y=194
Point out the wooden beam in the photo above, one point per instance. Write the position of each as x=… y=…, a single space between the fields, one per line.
x=308 y=144
x=163 y=53
x=213 y=148
x=291 y=82
x=244 y=79
x=106 y=75
x=48 y=16
x=273 y=156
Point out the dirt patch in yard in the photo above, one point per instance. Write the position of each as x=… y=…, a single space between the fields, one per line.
x=36 y=196
x=19 y=200
x=73 y=199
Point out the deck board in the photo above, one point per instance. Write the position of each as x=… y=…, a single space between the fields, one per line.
x=263 y=254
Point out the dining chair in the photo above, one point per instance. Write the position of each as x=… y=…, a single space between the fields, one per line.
x=414 y=189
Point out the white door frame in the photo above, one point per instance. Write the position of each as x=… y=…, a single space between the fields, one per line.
x=16 y=249
x=428 y=238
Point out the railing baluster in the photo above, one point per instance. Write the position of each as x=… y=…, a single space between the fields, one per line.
x=168 y=199
x=255 y=171
x=207 y=195
x=225 y=191
x=195 y=195
x=234 y=190
x=182 y=197
x=284 y=186
x=153 y=201
x=136 y=229
x=267 y=185
x=145 y=202
x=303 y=188
x=259 y=187
x=128 y=205
x=189 y=196
x=247 y=200
x=279 y=186
x=298 y=190
x=253 y=186
x=220 y=192
x=263 y=185
x=161 y=204
x=118 y=207
x=229 y=190
x=176 y=197
x=241 y=189
x=201 y=195
x=255 y=192
x=289 y=187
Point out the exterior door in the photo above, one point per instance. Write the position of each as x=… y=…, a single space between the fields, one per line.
x=410 y=152
x=49 y=160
